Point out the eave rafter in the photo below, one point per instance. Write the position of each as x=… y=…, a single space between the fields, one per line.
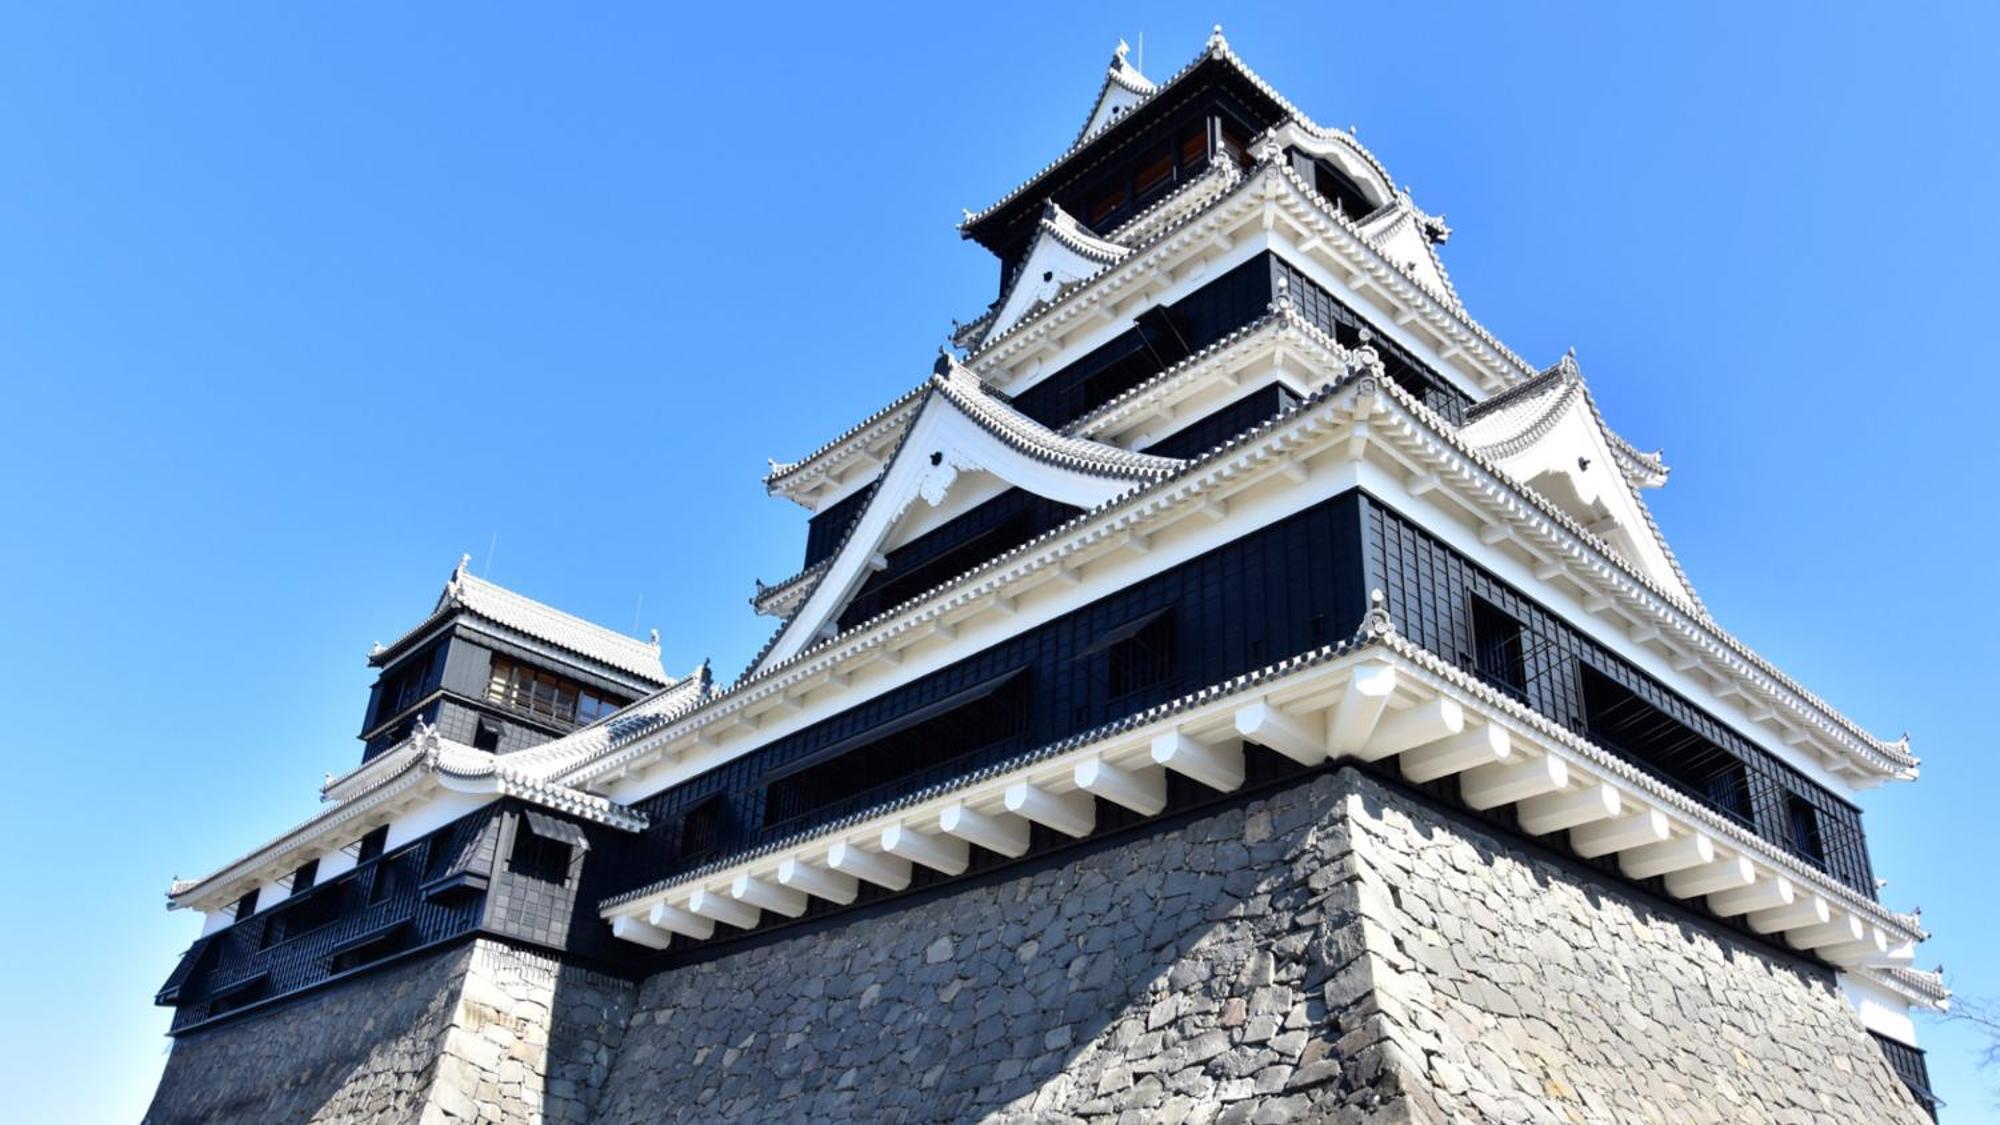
x=1376 y=699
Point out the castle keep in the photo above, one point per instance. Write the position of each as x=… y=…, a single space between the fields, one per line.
x=1231 y=686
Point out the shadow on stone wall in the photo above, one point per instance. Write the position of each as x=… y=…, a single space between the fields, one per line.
x=1335 y=950
x=1211 y=965
x=366 y=1050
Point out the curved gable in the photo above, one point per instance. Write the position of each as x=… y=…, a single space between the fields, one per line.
x=960 y=429
x=1548 y=435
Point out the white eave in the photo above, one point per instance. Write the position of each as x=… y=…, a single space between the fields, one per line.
x=1216 y=47
x=1379 y=698
x=423 y=766
x=628 y=656
x=1269 y=193
x=1123 y=88
x=960 y=427
x=1342 y=422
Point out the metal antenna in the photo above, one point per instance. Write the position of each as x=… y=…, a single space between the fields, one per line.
x=491 y=546
x=636 y=611
x=1140 y=66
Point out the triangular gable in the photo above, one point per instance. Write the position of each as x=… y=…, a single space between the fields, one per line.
x=1062 y=254
x=1123 y=88
x=1547 y=434
x=960 y=428
x=1408 y=238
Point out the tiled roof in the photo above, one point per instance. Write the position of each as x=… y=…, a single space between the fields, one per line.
x=897 y=412
x=1215 y=48
x=1123 y=75
x=424 y=756
x=1517 y=417
x=542 y=622
x=614 y=730
x=986 y=407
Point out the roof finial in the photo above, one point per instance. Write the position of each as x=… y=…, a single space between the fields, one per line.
x=945 y=362
x=1377 y=622
x=1281 y=297
x=464 y=561
x=1119 y=52
x=656 y=638
x=1215 y=40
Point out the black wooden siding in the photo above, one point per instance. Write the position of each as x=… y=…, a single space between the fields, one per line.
x=1430 y=591
x=455 y=882
x=826 y=529
x=944 y=552
x=1162 y=337
x=1226 y=423
x=1276 y=592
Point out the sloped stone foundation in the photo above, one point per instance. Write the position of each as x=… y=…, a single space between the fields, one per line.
x=482 y=1032
x=1334 y=951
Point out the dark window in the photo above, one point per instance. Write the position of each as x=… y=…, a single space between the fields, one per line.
x=1499 y=647
x=537 y=857
x=704 y=827
x=290 y=919
x=1343 y=192
x=1155 y=173
x=372 y=844
x=240 y=995
x=536 y=692
x=486 y=737
x=246 y=906
x=1158 y=339
x=368 y=947
x=302 y=879
x=391 y=876
x=1107 y=203
x=903 y=751
x=1659 y=744
x=1194 y=146
x=402 y=688
x=1802 y=824
x=1139 y=655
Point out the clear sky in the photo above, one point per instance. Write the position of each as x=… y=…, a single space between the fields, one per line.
x=295 y=307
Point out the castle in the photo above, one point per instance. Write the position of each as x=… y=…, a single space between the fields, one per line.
x=1231 y=686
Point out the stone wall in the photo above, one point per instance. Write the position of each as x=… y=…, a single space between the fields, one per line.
x=1335 y=951
x=482 y=1032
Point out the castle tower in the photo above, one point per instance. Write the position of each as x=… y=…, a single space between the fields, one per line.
x=1231 y=685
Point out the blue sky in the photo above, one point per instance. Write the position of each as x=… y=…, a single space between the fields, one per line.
x=298 y=305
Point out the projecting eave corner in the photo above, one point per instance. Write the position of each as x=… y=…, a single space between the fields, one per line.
x=1523 y=521
x=835 y=466
x=1549 y=435
x=1062 y=255
x=423 y=770
x=959 y=428
x=1123 y=87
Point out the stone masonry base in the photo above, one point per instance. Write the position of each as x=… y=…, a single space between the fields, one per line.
x=482 y=1032
x=1334 y=951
